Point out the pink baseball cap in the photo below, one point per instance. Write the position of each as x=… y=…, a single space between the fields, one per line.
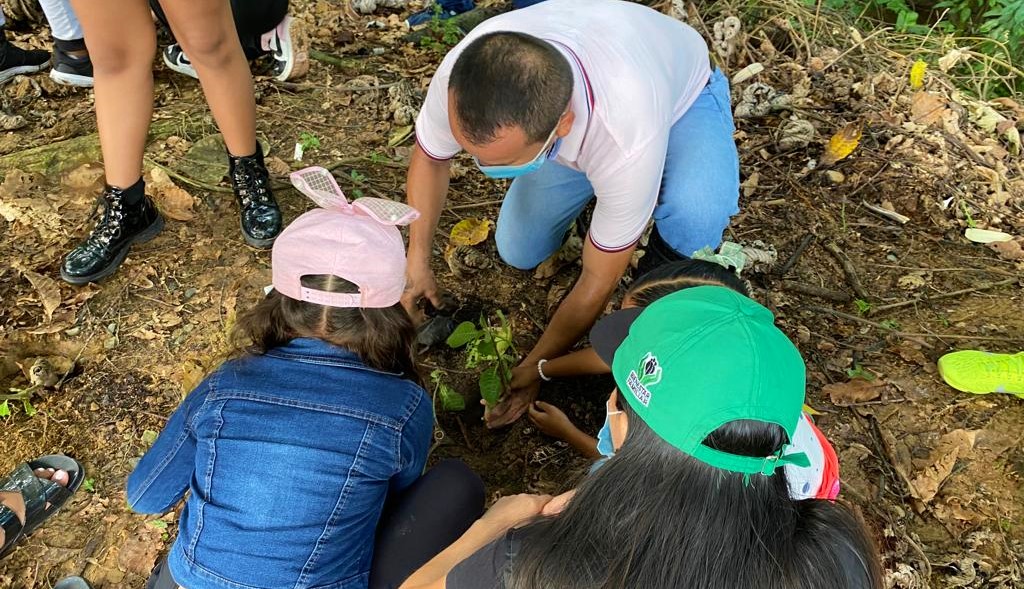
x=359 y=242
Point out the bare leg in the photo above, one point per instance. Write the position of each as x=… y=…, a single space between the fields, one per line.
x=206 y=31
x=122 y=42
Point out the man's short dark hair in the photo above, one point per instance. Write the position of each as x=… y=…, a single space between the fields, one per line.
x=507 y=79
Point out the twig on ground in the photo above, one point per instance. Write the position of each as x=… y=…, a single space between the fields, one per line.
x=912 y=336
x=816 y=291
x=965 y=148
x=848 y=270
x=331 y=59
x=947 y=295
x=465 y=434
x=190 y=181
x=886 y=213
x=800 y=249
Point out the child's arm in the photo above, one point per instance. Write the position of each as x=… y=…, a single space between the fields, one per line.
x=579 y=363
x=553 y=422
x=163 y=473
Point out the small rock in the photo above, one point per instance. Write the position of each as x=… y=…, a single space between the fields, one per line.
x=835 y=176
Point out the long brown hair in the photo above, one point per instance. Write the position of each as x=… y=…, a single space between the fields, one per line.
x=675 y=276
x=383 y=338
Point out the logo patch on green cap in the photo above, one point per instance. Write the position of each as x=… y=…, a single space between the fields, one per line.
x=649 y=371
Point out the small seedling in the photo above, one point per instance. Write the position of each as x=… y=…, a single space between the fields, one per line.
x=488 y=347
x=357 y=178
x=862 y=306
x=890 y=324
x=442 y=33
x=450 y=400
x=89 y=485
x=377 y=158
x=24 y=395
x=860 y=372
x=308 y=141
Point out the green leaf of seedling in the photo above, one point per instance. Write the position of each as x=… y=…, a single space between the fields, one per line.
x=158 y=524
x=29 y=409
x=862 y=306
x=490 y=386
x=89 y=485
x=860 y=372
x=463 y=334
x=890 y=324
x=450 y=400
x=149 y=436
x=308 y=141
x=5 y=409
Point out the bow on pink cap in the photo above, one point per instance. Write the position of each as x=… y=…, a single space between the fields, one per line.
x=321 y=187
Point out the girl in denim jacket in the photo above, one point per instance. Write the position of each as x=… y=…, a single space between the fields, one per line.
x=289 y=451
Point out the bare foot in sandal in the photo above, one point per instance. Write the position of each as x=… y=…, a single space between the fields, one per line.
x=14 y=500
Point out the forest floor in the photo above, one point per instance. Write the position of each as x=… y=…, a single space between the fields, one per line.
x=872 y=277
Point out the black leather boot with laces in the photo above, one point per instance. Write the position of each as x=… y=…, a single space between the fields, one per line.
x=260 y=216
x=120 y=225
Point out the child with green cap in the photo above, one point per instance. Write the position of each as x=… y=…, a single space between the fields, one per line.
x=694 y=495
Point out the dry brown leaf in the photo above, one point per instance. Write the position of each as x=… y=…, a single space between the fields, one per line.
x=956 y=444
x=47 y=289
x=175 y=203
x=927 y=108
x=471 y=231
x=278 y=166
x=139 y=551
x=857 y=390
x=841 y=144
x=85 y=177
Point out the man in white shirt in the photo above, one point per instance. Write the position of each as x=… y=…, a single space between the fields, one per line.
x=578 y=99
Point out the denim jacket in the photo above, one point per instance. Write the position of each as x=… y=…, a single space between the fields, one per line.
x=288 y=458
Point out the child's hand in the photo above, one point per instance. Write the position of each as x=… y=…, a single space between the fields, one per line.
x=551 y=420
x=513 y=510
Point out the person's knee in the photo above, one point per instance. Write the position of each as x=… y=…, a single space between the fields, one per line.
x=461 y=485
x=112 y=58
x=212 y=47
x=512 y=250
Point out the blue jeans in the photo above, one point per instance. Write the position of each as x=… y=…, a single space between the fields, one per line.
x=699 y=189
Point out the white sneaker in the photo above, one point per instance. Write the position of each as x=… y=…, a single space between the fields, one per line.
x=176 y=59
x=288 y=47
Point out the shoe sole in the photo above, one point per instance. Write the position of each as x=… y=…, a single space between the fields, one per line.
x=147 y=234
x=75 y=80
x=262 y=244
x=295 y=43
x=966 y=387
x=190 y=72
x=21 y=70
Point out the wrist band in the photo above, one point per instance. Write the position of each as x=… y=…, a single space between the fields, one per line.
x=540 y=371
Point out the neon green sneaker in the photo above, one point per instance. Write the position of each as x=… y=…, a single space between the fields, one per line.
x=977 y=372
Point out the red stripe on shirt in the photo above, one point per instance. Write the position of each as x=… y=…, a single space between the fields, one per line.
x=430 y=155
x=611 y=250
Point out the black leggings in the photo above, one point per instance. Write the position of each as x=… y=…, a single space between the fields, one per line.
x=428 y=517
x=415 y=526
x=252 y=19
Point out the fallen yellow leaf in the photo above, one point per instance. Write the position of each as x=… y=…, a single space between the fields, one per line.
x=917 y=72
x=841 y=144
x=471 y=231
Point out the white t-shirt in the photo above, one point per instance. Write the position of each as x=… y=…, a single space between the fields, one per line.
x=636 y=73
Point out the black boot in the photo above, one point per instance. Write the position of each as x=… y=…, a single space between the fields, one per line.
x=261 y=219
x=128 y=217
x=14 y=60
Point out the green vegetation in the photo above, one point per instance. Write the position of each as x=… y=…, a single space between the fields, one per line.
x=488 y=347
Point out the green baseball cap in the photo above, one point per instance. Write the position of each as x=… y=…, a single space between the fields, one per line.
x=700 y=358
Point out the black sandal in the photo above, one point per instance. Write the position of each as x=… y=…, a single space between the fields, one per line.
x=43 y=497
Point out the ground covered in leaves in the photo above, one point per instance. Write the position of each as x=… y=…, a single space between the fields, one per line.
x=859 y=182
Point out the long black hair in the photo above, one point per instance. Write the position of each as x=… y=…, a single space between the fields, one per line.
x=672 y=277
x=655 y=518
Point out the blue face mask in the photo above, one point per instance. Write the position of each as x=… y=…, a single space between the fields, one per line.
x=547 y=152
x=605 y=444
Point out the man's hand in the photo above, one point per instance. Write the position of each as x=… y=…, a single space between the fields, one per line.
x=514 y=405
x=419 y=284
